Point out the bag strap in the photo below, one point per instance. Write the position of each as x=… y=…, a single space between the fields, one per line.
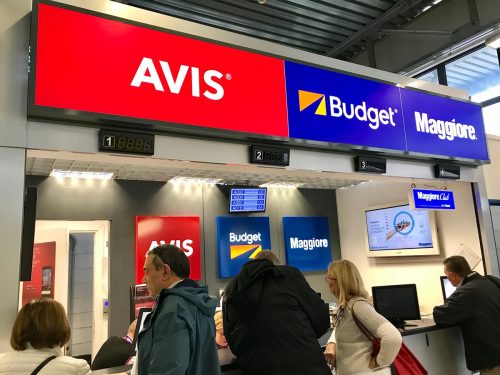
x=42 y=365
x=360 y=325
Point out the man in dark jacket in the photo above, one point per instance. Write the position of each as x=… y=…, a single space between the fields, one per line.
x=475 y=307
x=178 y=336
x=272 y=320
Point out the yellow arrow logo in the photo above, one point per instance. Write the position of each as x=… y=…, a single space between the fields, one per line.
x=307 y=98
x=239 y=250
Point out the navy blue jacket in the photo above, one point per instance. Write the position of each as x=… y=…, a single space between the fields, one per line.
x=178 y=337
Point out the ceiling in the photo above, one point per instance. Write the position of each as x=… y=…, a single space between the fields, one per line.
x=335 y=28
x=41 y=163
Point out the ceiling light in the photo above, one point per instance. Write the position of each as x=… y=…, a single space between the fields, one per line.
x=493 y=41
x=81 y=174
x=194 y=180
x=286 y=185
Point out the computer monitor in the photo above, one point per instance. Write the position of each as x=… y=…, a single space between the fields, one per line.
x=446 y=287
x=143 y=313
x=397 y=303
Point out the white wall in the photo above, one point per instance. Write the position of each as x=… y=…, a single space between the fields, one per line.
x=491 y=175
x=14 y=30
x=455 y=228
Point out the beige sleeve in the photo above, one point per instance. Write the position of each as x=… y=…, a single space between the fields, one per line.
x=390 y=338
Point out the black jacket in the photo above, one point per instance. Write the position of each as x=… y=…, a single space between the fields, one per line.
x=272 y=320
x=115 y=351
x=475 y=307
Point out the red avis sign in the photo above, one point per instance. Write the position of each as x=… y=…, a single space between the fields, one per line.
x=110 y=67
x=182 y=231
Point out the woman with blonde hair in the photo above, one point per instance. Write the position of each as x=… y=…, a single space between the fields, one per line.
x=40 y=330
x=348 y=349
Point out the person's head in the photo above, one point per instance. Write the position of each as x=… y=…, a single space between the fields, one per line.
x=344 y=281
x=131 y=329
x=42 y=323
x=220 y=339
x=164 y=265
x=269 y=255
x=456 y=269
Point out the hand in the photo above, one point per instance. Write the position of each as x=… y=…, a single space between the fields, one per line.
x=373 y=362
x=331 y=354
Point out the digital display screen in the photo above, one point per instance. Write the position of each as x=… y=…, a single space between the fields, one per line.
x=397 y=303
x=398 y=227
x=131 y=143
x=247 y=200
x=446 y=287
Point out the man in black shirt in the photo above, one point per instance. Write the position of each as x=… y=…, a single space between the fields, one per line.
x=475 y=307
x=115 y=351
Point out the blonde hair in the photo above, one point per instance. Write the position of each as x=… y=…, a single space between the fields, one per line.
x=269 y=255
x=348 y=279
x=218 y=321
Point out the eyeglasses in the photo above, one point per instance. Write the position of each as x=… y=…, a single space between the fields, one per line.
x=330 y=278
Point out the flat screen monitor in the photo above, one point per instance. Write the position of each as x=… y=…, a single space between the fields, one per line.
x=397 y=303
x=247 y=199
x=397 y=230
x=446 y=287
x=143 y=313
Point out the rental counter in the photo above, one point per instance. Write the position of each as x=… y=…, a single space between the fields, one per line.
x=439 y=349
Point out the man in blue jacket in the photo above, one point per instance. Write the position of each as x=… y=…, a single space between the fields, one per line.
x=178 y=337
x=475 y=307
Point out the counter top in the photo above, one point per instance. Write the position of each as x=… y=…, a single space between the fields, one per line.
x=227 y=362
x=413 y=327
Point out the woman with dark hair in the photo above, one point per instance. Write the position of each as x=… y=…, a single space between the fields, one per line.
x=40 y=330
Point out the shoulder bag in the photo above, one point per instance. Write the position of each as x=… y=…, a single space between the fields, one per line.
x=405 y=362
x=42 y=365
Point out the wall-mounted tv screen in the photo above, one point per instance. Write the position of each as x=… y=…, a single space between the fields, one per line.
x=397 y=303
x=247 y=199
x=397 y=230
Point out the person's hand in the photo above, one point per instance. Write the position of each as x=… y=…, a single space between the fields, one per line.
x=373 y=362
x=331 y=354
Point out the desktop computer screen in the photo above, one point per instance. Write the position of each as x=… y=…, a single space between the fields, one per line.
x=446 y=287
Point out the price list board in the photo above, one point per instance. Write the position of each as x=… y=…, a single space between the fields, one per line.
x=248 y=200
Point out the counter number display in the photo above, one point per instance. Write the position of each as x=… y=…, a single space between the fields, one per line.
x=125 y=142
x=247 y=200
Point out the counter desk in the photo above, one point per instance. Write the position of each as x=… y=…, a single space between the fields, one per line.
x=227 y=362
x=439 y=349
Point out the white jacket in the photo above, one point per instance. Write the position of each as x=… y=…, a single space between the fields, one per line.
x=23 y=362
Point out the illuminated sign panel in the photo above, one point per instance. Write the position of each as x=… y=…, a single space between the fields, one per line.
x=101 y=68
x=307 y=242
x=443 y=126
x=181 y=231
x=240 y=239
x=105 y=66
x=333 y=107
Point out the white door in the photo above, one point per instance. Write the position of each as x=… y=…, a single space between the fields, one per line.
x=98 y=233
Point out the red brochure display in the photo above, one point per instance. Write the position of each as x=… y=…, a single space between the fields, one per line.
x=42 y=273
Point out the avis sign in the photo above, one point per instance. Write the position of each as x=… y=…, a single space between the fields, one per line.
x=182 y=231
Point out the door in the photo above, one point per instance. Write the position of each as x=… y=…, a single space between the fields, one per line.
x=80 y=278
